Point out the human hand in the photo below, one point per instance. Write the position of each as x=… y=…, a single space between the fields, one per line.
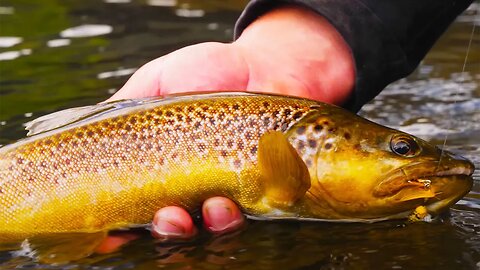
x=289 y=51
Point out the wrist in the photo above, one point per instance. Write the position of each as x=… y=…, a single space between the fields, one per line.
x=294 y=51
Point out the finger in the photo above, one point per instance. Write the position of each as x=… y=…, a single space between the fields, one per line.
x=112 y=243
x=145 y=82
x=221 y=215
x=172 y=222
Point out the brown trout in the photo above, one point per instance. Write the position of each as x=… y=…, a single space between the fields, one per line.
x=114 y=165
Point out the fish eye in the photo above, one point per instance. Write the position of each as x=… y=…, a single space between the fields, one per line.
x=404 y=146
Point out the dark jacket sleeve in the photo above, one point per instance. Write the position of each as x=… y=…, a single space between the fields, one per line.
x=388 y=38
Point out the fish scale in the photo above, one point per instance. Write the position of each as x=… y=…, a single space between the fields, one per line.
x=113 y=165
x=222 y=133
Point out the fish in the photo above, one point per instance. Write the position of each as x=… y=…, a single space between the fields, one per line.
x=113 y=165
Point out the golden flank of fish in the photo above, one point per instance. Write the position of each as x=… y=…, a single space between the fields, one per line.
x=113 y=165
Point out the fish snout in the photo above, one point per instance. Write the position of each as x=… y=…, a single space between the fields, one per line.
x=455 y=164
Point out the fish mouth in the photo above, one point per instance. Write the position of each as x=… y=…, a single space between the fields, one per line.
x=434 y=185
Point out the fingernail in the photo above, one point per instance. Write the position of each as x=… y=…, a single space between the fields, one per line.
x=164 y=228
x=219 y=217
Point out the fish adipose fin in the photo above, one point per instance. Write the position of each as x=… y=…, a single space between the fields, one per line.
x=62 y=248
x=286 y=176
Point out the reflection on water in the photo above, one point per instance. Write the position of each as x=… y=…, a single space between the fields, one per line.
x=87 y=30
x=57 y=54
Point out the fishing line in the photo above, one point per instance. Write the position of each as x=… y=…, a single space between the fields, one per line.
x=457 y=91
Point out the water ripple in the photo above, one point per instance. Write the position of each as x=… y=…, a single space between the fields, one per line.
x=86 y=30
x=58 y=42
x=6 y=42
x=162 y=3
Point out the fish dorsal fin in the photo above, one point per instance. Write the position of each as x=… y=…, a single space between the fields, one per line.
x=75 y=115
x=286 y=176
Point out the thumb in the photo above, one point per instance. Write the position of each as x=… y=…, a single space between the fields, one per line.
x=145 y=82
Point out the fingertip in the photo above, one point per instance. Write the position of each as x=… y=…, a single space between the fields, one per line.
x=145 y=82
x=112 y=243
x=172 y=222
x=221 y=215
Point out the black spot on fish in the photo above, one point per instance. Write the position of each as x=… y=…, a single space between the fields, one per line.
x=266 y=104
x=127 y=128
x=253 y=151
x=237 y=163
x=332 y=130
x=236 y=106
x=90 y=133
x=266 y=121
x=168 y=114
x=297 y=115
x=133 y=120
x=284 y=127
x=301 y=145
x=287 y=112
x=223 y=153
x=301 y=130
x=347 y=136
x=308 y=162
x=326 y=123
x=80 y=134
x=328 y=146
x=179 y=117
x=312 y=143
x=318 y=128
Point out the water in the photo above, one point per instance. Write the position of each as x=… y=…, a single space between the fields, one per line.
x=64 y=53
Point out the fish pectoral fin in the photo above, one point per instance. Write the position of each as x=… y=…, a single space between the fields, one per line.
x=65 y=247
x=286 y=177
